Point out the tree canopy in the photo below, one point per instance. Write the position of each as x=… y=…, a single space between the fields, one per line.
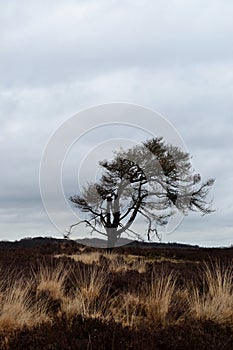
x=149 y=181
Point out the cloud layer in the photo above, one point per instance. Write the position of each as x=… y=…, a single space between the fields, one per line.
x=62 y=56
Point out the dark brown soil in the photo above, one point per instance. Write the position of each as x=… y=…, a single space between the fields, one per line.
x=79 y=334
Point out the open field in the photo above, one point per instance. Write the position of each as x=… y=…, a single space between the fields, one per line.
x=61 y=295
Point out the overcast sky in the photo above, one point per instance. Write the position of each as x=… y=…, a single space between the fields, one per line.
x=60 y=57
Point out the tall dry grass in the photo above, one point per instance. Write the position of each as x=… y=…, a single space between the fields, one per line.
x=51 y=280
x=17 y=307
x=216 y=301
x=127 y=308
x=159 y=298
x=157 y=303
x=91 y=295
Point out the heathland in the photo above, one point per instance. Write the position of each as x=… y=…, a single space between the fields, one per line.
x=57 y=294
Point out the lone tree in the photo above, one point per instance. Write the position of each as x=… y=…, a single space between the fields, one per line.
x=149 y=181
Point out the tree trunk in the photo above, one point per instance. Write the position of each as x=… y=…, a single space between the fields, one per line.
x=112 y=238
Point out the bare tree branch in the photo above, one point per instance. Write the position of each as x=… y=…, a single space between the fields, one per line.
x=67 y=236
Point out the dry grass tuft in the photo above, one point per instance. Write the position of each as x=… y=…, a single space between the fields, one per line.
x=216 y=301
x=17 y=308
x=127 y=309
x=51 y=280
x=159 y=299
x=91 y=297
x=86 y=258
x=122 y=263
x=140 y=266
x=157 y=303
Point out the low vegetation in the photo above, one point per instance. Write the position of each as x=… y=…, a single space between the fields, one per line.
x=133 y=296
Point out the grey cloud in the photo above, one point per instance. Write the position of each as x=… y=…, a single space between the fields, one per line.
x=73 y=41
x=60 y=57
